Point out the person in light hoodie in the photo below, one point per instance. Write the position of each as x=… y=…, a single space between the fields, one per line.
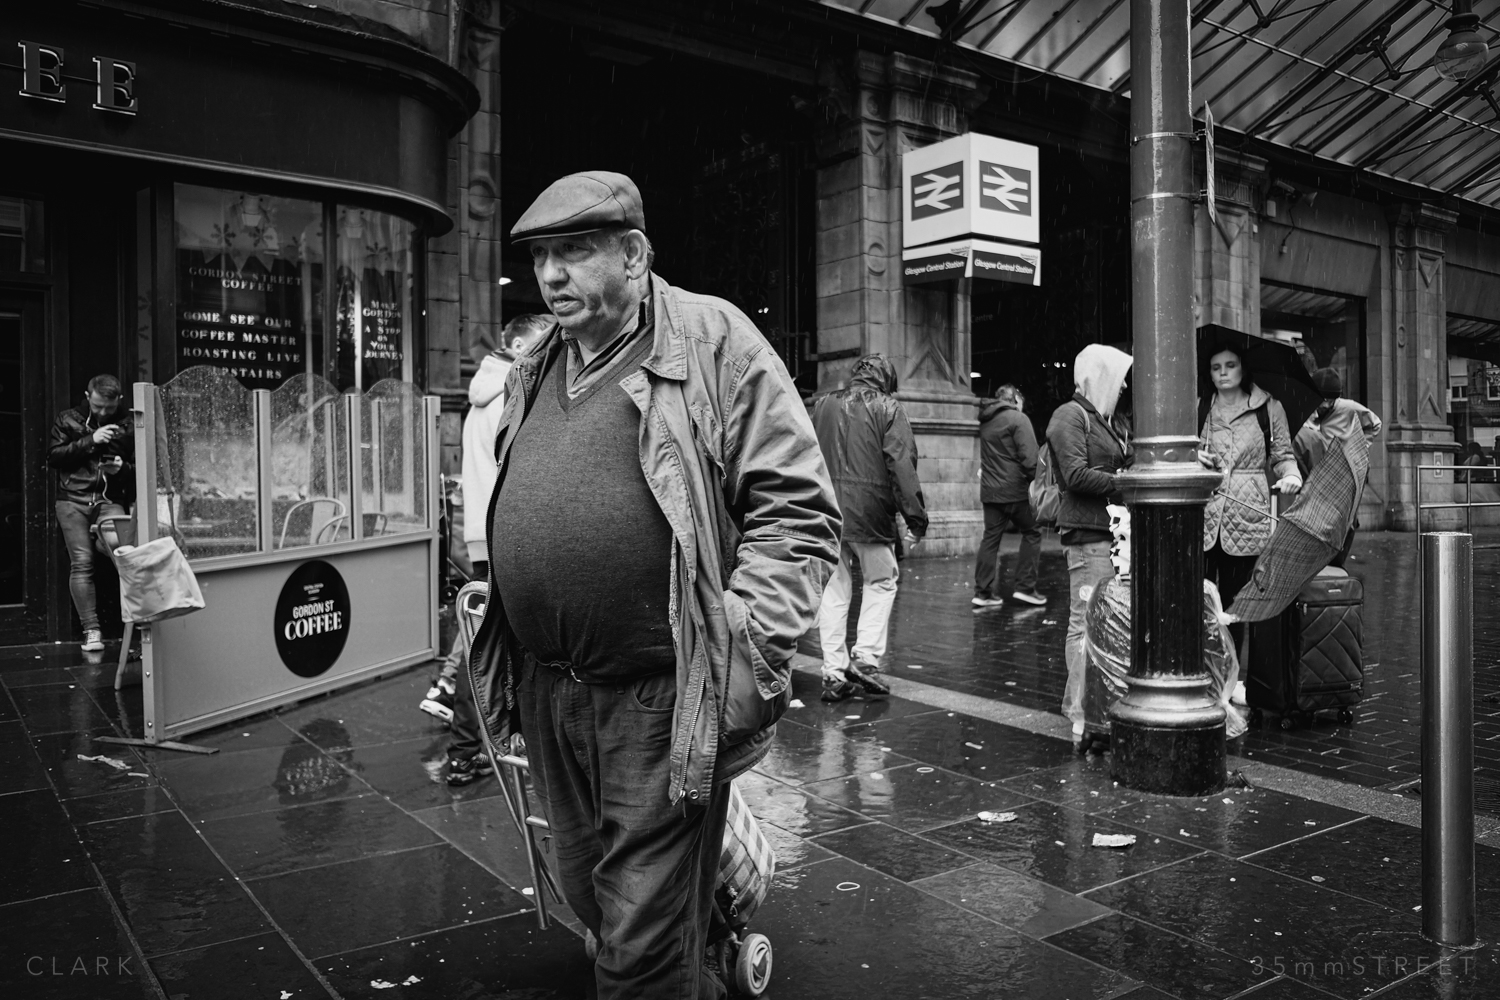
x=1090 y=445
x=448 y=698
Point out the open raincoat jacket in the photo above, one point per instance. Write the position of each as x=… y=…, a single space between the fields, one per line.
x=729 y=453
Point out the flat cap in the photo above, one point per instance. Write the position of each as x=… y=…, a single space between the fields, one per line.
x=582 y=203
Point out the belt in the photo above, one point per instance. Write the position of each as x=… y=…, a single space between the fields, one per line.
x=562 y=668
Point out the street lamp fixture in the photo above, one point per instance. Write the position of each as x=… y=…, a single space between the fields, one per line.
x=1463 y=52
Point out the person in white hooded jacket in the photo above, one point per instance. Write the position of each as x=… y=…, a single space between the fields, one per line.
x=447 y=698
x=1090 y=444
x=486 y=401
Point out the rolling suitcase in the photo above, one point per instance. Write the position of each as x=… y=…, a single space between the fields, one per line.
x=1309 y=659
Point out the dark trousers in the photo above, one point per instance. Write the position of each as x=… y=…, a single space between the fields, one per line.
x=638 y=871
x=1229 y=573
x=75 y=518
x=998 y=519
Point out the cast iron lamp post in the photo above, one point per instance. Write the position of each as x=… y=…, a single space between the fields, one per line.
x=1168 y=733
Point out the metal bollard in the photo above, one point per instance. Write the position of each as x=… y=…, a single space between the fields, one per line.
x=1448 y=913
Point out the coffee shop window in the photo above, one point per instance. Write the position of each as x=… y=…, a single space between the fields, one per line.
x=376 y=271
x=23 y=244
x=249 y=284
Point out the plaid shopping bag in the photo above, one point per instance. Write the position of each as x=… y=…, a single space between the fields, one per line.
x=746 y=864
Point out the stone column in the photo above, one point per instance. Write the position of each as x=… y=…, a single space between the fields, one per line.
x=1226 y=258
x=463 y=266
x=876 y=108
x=1418 y=433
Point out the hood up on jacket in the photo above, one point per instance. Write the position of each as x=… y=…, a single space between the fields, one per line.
x=989 y=410
x=1099 y=373
x=489 y=381
x=874 y=371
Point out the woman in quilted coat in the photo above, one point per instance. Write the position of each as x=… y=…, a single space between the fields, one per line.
x=1241 y=421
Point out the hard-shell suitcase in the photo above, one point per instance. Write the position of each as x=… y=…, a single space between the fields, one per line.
x=1309 y=659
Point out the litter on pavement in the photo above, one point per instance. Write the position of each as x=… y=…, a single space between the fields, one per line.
x=118 y=765
x=994 y=817
x=1114 y=839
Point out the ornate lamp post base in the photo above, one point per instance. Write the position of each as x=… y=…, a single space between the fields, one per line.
x=1168 y=733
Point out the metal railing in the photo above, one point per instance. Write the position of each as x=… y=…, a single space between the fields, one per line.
x=1469 y=502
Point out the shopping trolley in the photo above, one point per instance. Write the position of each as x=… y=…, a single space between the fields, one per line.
x=747 y=862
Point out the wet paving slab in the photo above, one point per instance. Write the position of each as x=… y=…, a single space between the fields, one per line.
x=262 y=965
x=69 y=946
x=400 y=895
x=1054 y=844
x=508 y=957
x=319 y=853
x=1014 y=654
x=845 y=931
x=171 y=888
x=1314 y=934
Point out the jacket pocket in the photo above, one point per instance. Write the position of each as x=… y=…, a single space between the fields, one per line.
x=756 y=695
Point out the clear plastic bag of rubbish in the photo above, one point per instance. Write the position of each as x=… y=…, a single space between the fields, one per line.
x=1107 y=641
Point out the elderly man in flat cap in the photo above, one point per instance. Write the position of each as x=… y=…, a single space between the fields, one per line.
x=661 y=532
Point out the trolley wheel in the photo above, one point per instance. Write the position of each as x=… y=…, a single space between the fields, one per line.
x=1346 y=716
x=1287 y=722
x=752 y=966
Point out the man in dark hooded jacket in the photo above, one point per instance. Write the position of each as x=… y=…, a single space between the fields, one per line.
x=871 y=456
x=1007 y=458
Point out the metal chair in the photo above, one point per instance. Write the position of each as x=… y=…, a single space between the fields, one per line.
x=510 y=766
x=317 y=534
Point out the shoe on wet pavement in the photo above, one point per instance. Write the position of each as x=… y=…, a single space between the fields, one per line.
x=1030 y=597
x=93 y=640
x=838 y=689
x=984 y=599
x=439 y=700
x=867 y=676
x=467 y=770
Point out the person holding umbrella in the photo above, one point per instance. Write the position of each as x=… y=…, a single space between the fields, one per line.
x=1245 y=433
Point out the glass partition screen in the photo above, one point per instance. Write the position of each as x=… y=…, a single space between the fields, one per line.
x=208 y=485
x=393 y=459
x=309 y=463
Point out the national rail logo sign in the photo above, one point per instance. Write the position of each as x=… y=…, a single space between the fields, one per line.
x=938 y=190
x=312 y=618
x=1004 y=188
x=972 y=185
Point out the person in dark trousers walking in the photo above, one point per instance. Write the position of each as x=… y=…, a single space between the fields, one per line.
x=1007 y=456
x=871 y=454
x=93 y=451
x=1090 y=442
x=661 y=529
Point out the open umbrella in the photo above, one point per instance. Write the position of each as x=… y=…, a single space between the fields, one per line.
x=1274 y=366
x=1308 y=534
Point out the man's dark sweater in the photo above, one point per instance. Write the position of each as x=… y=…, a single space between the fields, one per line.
x=582 y=549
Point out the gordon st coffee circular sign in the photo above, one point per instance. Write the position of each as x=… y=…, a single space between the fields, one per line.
x=312 y=618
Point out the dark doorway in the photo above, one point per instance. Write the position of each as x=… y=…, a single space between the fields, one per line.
x=722 y=158
x=1029 y=336
x=24 y=519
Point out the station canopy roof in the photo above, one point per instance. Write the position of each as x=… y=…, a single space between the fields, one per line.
x=1348 y=81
